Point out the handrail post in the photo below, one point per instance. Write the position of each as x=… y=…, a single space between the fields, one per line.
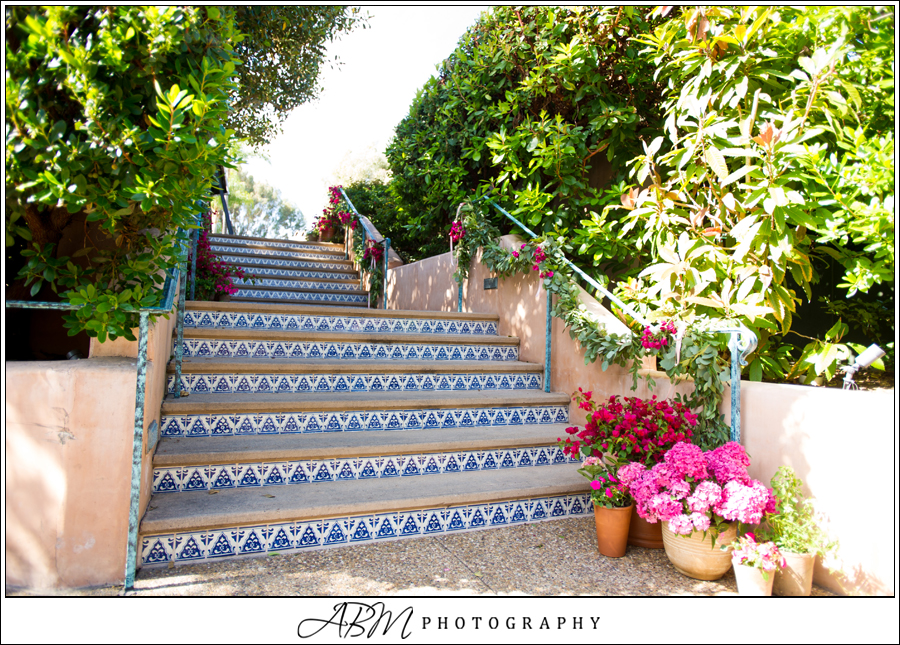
x=137 y=453
x=734 y=347
x=387 y=248
x=548 y=342
x=195 y=241
x=459 y=297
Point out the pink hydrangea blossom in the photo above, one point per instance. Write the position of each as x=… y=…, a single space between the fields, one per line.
x=681 y=525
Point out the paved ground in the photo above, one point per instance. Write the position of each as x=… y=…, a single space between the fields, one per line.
x=544 y=559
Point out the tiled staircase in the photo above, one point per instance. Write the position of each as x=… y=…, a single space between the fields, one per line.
x=310 y=426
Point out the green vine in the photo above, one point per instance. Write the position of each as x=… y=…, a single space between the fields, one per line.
x=701 y=354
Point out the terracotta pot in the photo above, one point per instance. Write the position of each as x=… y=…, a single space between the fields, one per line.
x=223 y=297
x=695 y=556
x=612 y=530
x=750 y=581
x=327 y=236
x=643 y=533
x=796 y=578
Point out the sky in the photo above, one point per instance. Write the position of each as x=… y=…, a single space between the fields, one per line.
x=363 y=99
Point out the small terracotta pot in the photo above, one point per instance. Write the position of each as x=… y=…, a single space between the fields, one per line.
x=695 y=556
x=327 y=236
x=223 y=297
x=751 y=582
x=644 y=534
x=796 y=578
x=612 y=530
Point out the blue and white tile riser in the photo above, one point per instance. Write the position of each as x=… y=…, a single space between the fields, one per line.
x=299 y=284
x=251 y=261
x=362 y=324
x=305 y=246
x=345 y=274
x=207 y=545
x=222 y=476
x=338 y=383
x=302 y=295
x=273 y=253
x=215 y=425
x=194 y=347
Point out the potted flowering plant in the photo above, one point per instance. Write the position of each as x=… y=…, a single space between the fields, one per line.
x=333 y=219
x=612 y=507
x=795 y=531
x=701 y=497
x=753 y=563
x=630 y=430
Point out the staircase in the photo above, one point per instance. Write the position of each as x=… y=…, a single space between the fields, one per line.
x=310 y=425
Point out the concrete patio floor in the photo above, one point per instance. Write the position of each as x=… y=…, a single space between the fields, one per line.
x=551 y=558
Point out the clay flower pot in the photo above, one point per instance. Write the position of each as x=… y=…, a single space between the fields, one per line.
x=644 y=534
x=796 y=578
x=695 y=556
x=750 y=580
x=612 y=529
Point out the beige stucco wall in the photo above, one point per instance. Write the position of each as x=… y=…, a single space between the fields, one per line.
x=69 y=444
x=823 y=433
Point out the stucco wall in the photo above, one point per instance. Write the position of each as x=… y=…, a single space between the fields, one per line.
x=823 y=433
x=69 y=442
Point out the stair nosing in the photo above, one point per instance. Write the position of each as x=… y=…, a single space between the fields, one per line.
x=213 y=365
x=287 y=308
x=229 y=333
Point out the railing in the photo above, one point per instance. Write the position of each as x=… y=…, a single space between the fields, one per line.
x=168 y=297
x=742 y=341
x=369 y=234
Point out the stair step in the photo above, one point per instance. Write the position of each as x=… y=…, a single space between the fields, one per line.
x=305 y=295
x=210 y=415
x=299 y=317
x=244 y=472
x=250 y=262
x=199 y=342
x=298 y=274
x=331 y=284
x=254 y=242
x=342 y=377
x=201 y=511
x=185 y=451
x=286 y=254
x=314 y=402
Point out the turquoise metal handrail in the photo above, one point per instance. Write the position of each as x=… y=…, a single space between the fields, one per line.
x=177 y=276
x=367 y=235
x=741 y=343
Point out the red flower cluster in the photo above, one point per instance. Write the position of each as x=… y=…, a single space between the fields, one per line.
x=214 y=276
x=373 y=252
x=658 y=340
x=332 y=219
x=457 y=232
x=631 y=430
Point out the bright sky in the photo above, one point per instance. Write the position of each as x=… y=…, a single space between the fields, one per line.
x=363 y=99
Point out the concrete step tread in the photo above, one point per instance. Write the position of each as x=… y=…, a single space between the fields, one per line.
x=335 y=310
x=213 y=365
x=230 y=403
x=246 y=506
x=326 y=257
x=186 y=451
x=294 y=278
x=229 y=333
x=295 y=289
x=355 y=305
x=325 y=245
x=312 y=265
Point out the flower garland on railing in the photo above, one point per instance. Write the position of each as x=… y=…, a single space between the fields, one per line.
x=369 y=253
x=698 y=352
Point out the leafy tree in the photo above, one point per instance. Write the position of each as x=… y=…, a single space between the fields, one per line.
x=116 y=118
x=544 y=103
x=771 y=163
x=283 y=52
x=260 y=210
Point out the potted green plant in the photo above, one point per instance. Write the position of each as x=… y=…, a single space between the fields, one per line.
x=612 y=507
x=794 y=529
